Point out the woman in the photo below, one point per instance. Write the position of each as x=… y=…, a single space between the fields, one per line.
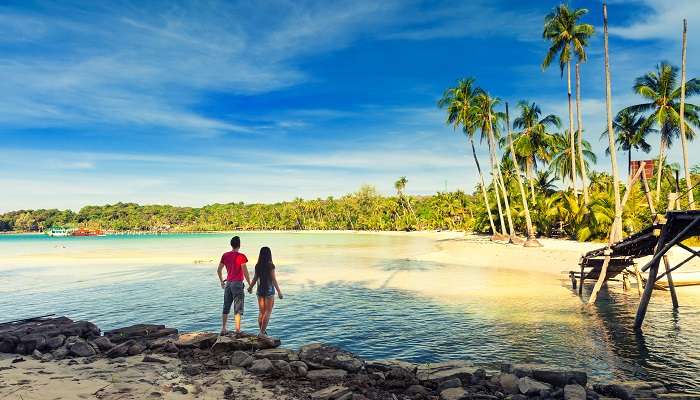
x=267 y=283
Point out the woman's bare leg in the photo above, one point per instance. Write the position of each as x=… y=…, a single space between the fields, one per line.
x=261 y=312
x=269 y=304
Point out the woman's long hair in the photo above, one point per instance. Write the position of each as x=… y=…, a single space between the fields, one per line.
x=263 y=269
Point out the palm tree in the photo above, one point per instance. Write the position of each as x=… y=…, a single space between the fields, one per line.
x=400 y=186
x=533 y=142
x=567 y=37
x=561 y=161
x=661 y=89
x=487 y=119
x=460 y=112
x=632 y=131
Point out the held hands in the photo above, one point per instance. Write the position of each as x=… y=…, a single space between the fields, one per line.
x=250 y=289
x=223 y=284
x=280 y=295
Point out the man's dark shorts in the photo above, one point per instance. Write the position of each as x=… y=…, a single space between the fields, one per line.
x=234 y=292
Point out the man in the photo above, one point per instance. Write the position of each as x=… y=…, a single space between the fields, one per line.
x=236 y=270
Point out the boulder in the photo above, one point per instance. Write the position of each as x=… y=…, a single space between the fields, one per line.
x=103 y=343
x=225 y=344
x=326 y=374
x=433 y=373
x=120 y=350
x=417 y=390
x=151 y=359
x=33 y=341
x=299 y=368
x=454 y=394
x=679 y=396
x=449 y=384
x=55 y=342
x=135 y=349
x=60 y=353
x=282 y=368
x=192 y=370
x=531 y=387
x=627 y=390
x=7 y=346
x=398 y=377
x=261 y=366
x=241 y=359
x=574 y=392
x=81 y=348
x=277 y=354
x=331 y=393
x=196 y=340
x=543 y=373
x=145 y=331
x=509 y=383
x=386 y=365
x=319 y=355
x=36 y=354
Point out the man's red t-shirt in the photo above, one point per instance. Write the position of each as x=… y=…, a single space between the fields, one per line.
x=233 y=261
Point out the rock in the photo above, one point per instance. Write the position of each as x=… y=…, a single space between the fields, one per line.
x=434 y=373
x=326 y=374
x=169 y=347
x=282 y=368
x=627 y=390
x=46 y=357
x=37 y=355
x=7 y=346
x=120 y=350
x=454 y=394
x=60 y=353
x=574 y=392
x=449 y=384
x=192 y=370
x=331 y=393
x=398 y=377
x=150 y=359
x=318 y=355
x=386 y=365
x=228 y=391
x=516 y=397
x=543 y=373
x=135 y=349
x=509 y=383
x=180 y=389
x=225 y=344
x=531 y=387
x=261 y=366
x=299 y=368
x=678 y=396
x=103 y=343
x=55 y=342
x=277 y=354
x=145 y=331
x=417 y=390
x=196 y=340
x=81 y=349
x=241 y=359
x=33 y=341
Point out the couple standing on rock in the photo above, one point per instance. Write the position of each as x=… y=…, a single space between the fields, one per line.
x=235 y=263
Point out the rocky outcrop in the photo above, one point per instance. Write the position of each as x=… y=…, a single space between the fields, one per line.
x=319 y=355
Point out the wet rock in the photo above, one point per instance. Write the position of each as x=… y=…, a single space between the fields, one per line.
x=135 y=349
x=326 y=374
x=225 y=344
x=55 y=342
x=277 y=354
x=454 y=394
x=434 y=373
x=299 y=368
x=543 y=373
x=531 y=387
x=449 y=384
x=81 y=348
x=241 y=359
x=398 y=377
x=331 y=393
x=103 y=343
x=318 y=355
x=627 y=390
x=120 y=350
x=139 y=331
x=574 y=392
x=261 y=366
x=509 y=383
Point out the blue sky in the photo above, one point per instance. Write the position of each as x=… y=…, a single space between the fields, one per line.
x=191 y=103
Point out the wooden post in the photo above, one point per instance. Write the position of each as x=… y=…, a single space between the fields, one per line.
x=648 y=289
x=625 y=281
x=637 y=275
x=601 y=277
x=580 y=282
x=671 y=287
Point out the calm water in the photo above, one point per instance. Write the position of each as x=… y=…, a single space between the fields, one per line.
x=366 y=293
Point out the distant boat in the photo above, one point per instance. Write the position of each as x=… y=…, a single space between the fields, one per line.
x=88 y=232
x=57 y=231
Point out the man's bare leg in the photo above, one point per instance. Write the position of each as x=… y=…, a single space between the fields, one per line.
x=237 y=317
x=224 y=321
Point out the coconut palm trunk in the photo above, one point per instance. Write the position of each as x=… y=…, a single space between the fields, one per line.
x=496 y=190
x=483 y=186
x=572 y=139
x=499 y=180
x=684 y=139
x=660 y=166
x=616 y=233
x=531 y=240
x=579 y=128
x=530 y=177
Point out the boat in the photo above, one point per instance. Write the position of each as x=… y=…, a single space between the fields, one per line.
x=88 y=232
x=57 y=231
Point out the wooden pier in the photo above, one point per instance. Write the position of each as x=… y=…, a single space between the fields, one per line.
x=620 y=258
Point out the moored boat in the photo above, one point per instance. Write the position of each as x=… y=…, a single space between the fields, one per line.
x=88 y=232
x=57 y=231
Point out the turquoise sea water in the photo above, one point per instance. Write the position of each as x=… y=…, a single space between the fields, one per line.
x=367 y=293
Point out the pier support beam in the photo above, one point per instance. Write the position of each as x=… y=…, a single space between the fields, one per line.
x=601 y=277
x=671 y=287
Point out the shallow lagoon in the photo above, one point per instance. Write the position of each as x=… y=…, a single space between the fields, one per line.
x=368 y=293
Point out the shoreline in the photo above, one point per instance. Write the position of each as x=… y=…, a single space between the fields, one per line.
x=74 y=359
